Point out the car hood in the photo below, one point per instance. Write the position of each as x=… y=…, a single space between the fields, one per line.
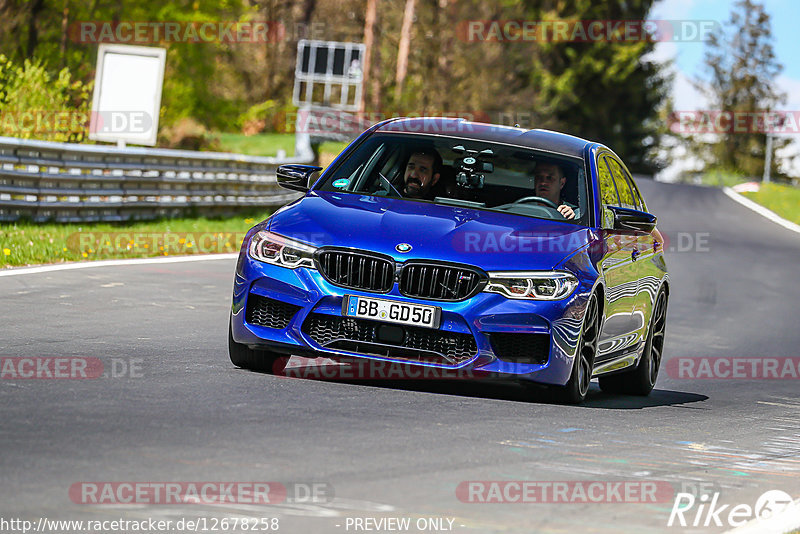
x=489 y=240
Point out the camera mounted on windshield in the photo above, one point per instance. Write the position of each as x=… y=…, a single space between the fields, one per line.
x=472 y=166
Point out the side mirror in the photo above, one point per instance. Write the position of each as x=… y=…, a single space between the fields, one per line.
x=630 y=219
x=295 y=177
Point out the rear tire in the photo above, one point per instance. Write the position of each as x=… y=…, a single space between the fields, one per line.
x=255 y=360
x=574 y=391
x=642 y=379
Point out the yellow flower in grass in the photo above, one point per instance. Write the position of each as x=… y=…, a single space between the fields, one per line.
x=7 y=251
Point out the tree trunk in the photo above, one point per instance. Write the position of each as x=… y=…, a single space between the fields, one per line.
x=444 y=59
x=403 y=49
x=377 y=79
x=369 y=43
x=33 y=32
x=64 y=31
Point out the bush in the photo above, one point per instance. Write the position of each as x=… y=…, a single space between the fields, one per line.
x=33 y=105
x=188 y=134
x=268 y=116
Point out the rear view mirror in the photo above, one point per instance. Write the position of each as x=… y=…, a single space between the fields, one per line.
x=630 y=219
x=295 y=177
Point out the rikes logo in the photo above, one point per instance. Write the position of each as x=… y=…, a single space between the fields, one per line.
x=403 y=247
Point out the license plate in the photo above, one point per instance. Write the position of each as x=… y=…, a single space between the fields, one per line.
x=392 y=311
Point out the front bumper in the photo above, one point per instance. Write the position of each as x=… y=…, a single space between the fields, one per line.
x=303 y=315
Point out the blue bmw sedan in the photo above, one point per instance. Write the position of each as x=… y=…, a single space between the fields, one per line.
x=449 y=244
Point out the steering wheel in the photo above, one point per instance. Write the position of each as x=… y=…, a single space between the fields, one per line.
x=540 y=200
x=390 y=188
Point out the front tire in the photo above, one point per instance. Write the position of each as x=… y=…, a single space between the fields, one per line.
x=255 y=360
x=576 y=388
x=642 y=379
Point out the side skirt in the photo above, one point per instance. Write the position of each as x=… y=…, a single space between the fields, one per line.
x=615 y=364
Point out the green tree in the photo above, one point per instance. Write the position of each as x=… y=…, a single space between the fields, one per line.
x=601 y=90
x=201 y=79
x=740 y=72
x=34 y=105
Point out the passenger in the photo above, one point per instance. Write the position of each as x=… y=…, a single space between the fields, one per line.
x=422 y=173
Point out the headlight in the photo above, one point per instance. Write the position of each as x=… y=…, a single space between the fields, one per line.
x=279 y=250
x=533 y=285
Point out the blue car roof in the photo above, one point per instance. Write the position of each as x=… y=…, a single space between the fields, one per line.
x=550 y=141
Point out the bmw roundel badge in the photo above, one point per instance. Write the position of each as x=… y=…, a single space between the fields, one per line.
x=403 y=247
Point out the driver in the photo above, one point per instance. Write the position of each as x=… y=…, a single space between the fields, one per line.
x=549 y=180
x=422 y=173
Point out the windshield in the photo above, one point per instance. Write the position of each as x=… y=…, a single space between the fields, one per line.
x=465 y=172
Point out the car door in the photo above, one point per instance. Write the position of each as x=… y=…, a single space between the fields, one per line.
x=618 y=262
x=649 y=265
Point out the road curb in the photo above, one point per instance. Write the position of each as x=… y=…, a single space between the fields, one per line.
x=761 y=210
x=113 y=263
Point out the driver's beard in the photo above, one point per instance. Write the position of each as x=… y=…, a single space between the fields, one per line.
x=416 y=192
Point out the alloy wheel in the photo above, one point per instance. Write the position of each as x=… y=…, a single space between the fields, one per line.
x=659 y=321
x=588 y=347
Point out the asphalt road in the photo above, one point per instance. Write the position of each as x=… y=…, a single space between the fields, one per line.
x=398 y=450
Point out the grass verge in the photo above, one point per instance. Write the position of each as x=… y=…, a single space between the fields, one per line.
x=268 y=144
x=27 y=243
x=720 y=178
x=30 y=244
x=782 y=199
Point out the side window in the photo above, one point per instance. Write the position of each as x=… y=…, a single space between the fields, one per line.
x=623 y=188
x=608 y=193
x=636 y=194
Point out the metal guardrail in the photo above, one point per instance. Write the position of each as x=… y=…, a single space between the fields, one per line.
x=66 y=182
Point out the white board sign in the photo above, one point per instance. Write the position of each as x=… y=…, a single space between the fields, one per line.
x=127 y=94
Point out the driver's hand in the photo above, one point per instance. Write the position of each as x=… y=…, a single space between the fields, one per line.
x=566 y=211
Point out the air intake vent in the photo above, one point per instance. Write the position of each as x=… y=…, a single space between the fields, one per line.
x=356 y=270
x=413 y=344
x=439 y=282
x=263 y=311
x=521 y=348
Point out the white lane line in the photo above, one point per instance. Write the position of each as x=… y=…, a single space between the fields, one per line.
x=787 y=520
x=761 y=210
x=114 y=263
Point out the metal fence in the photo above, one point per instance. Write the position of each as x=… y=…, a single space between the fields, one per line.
x=66 y=182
